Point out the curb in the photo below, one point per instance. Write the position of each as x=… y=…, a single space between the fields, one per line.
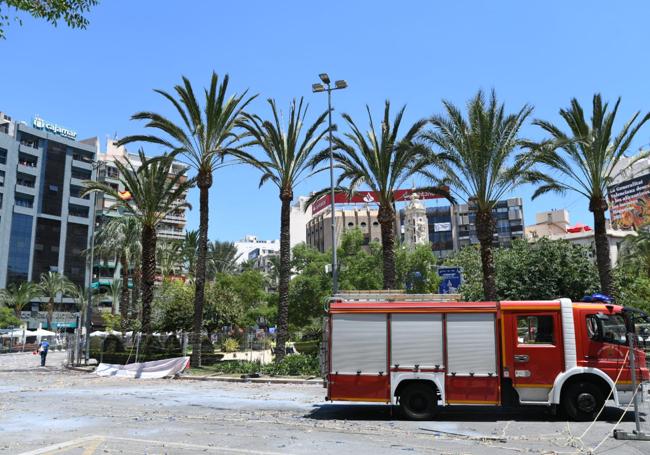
x=82 y=369
x=318 y=382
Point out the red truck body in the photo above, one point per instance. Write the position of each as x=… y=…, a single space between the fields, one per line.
x=423 y=354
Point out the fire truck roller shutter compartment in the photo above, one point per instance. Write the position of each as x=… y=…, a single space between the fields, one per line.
x=416 y=341
x=359 y=358
x=472 y=361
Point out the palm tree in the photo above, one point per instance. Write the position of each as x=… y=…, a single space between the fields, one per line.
x=383 y=163
x=115 y=290
x=286 y=158
x=477 y=163
x=169 y=257
x=635 y=253
x=189 y=250
x=18 y=295
x=204 y=137
x=51 y=285
x=586 y=160
x=222 y=258
x=152 y=192
x=120 y=238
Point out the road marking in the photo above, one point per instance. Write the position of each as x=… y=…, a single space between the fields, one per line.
x=90 y=450
x=62 y=446
x=90 y=443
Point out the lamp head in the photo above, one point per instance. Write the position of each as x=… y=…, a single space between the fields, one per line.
x=325 y=78
x=341 y=84
x=317 y=88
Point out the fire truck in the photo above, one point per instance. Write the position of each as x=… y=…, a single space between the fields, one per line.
x=423 y=353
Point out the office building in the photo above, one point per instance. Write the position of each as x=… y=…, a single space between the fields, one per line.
x=44 y=220
x=319 y=227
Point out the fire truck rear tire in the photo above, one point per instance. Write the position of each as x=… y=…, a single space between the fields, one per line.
x=418 y=402
x=582 y=401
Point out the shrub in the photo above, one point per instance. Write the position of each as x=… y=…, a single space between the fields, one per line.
x=206 y=346
x=150 y=345
x=307 y=347
x=230 y=345
x=113 y=343
x=173 y=346
x=294 y=365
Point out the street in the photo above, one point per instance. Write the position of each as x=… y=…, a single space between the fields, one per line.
x=52 y=410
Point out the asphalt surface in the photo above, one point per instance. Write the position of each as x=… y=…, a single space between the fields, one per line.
x=55 y=411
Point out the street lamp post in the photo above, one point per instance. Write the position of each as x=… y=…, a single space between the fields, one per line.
x=89 y=289
x=327 y=87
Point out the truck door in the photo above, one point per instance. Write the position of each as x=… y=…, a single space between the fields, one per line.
x=536 y=353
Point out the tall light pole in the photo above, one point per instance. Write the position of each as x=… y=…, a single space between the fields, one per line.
x=327 y=87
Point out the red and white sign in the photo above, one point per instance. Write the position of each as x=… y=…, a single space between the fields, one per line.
x=365 y=197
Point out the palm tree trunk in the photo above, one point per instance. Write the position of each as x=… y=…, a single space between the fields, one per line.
x=285 y=276
x=485 y=234
x=50 y=313
x=386 y=218
x=124 y=295
x=135 y=293
x=204 y=183
x=149 y=238
x=599 y=206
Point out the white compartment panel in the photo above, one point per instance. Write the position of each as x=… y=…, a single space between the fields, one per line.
x=358 y=343
x=416 y=339
x=471 y=343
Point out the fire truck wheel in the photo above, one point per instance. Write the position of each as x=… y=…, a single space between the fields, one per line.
x=418 y=402
x=582 y=401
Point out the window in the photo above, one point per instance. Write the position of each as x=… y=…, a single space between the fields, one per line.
x=29 y=140
x=607 y=328
x=2 y=178
x=20 y=239
x=535 y=329
x=3 y=156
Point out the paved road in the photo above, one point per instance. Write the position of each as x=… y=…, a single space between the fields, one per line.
x=51 y=410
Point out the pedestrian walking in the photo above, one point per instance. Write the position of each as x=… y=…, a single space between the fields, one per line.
x=43 y=347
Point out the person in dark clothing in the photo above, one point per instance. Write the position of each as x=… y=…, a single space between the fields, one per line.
x=42 y=349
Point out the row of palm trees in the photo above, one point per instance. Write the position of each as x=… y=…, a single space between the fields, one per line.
x=52 y=285
x=477 y=157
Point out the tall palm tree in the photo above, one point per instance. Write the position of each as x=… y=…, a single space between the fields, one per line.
x=477 y=163
x=286 y=155
x=189 y=250
x=204 y=137
x=18 y=295
x=586 y=160
x=120 y=238
x=152 y=192
x=222 y=258
x=384 y=163
x=52 y=285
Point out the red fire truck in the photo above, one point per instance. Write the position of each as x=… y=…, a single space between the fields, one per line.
x=420 y=354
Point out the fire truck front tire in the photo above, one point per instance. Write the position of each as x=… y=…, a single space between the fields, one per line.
x=418 y=402
x=582 y=401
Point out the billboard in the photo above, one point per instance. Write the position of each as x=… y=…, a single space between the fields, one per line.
x=629 y=203
x=367 y=197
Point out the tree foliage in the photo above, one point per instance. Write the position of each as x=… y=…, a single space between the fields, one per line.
x=72 y=12
x=545 y=269
x=8 y=318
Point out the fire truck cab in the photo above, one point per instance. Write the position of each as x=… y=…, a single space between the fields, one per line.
x=422 y=353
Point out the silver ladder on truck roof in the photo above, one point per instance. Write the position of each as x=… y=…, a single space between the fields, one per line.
x=392 y=296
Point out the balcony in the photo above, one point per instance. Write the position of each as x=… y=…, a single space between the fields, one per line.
x=29 y=148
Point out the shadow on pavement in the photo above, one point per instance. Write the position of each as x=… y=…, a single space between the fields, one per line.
x=456 y=413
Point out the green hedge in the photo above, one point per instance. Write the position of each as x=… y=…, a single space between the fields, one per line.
x=307 y=347
x=291 y=365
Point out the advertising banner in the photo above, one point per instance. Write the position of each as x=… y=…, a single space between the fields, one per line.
x=629 y=203
x=452 y=277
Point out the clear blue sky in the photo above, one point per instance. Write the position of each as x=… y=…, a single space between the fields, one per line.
x=413 y=53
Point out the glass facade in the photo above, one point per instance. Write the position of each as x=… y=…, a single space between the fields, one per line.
x=75 y=261
x=46 y=247
x=53 y=181
x=19 y=246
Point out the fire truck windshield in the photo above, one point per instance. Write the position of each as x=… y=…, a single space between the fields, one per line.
x=609 y=328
